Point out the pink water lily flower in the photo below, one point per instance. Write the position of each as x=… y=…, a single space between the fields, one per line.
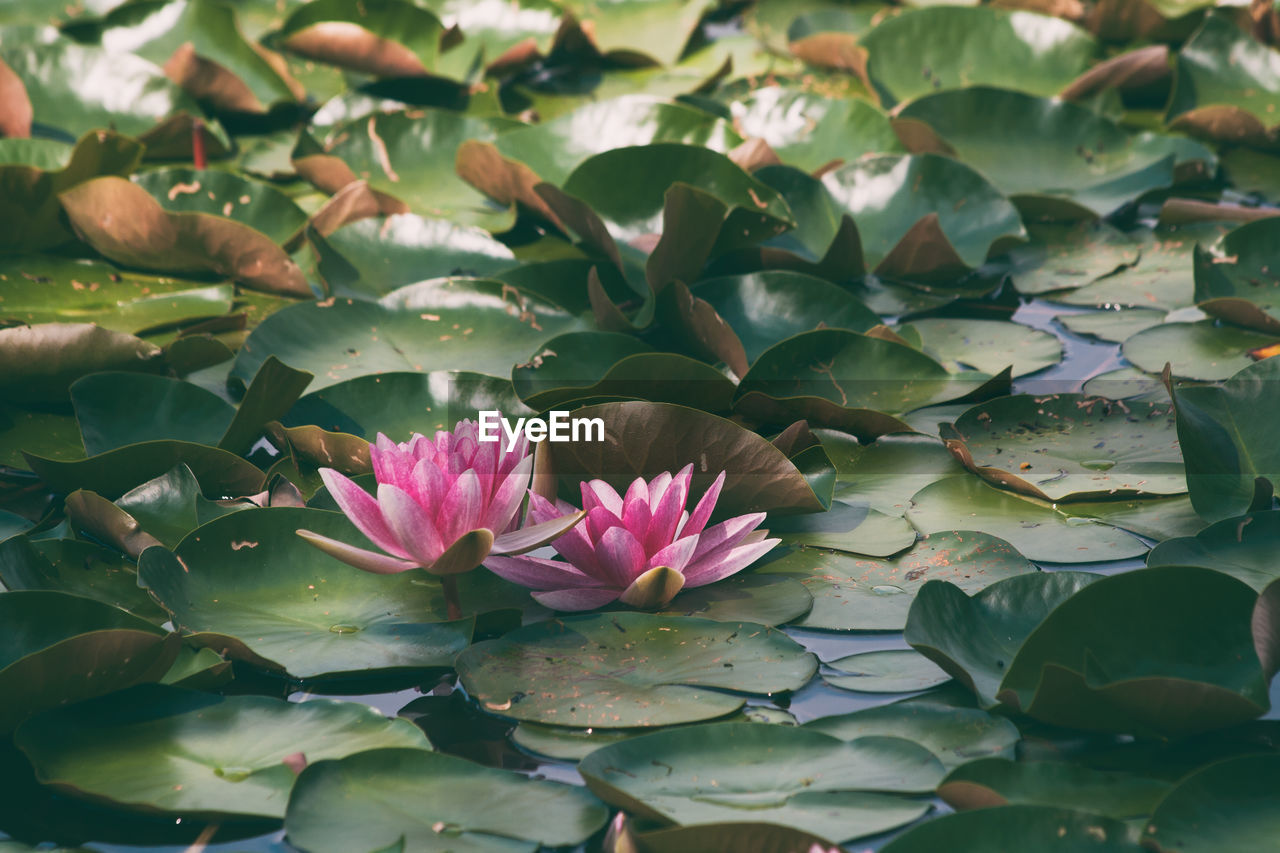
x=641 y=548
x=442 y=505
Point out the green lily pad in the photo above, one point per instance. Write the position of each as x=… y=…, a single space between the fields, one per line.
x=643 y=439
x=728 y=838
x=383 y=254
x=1069 y=163
x=1242 y=547
x=1064 y=257
x=1127 y=653
x=627 y=188
x=998 y=781
x=116 y=409
x=1035 y=528
x=1112 y=326
x=79 y=568
x=570 y=744
x=786 y=775
x=888 y=196
x=1225 y=434
x=1153 y=518
x=1226 y=86
x=955 y=735
x=886 y=671
x=744 y=597
x=986 y=345
x=471 y=325
x=842 y=379
x=198 y=669
x=887 y=472
x=852 y=593
x=951 y=47
x=400 y=404
x=165 y=749
x=1054 y=830
x=810 y=131
x=46 y=289
x=764 y=308
x=641 y=670
x=171 y=506
x=1235 y=282
x=847 y=526
x=1162 y=278
x=1069 y=446
x=61 y=648
x=658 y=30
x=593 y=365
x=111 y=474
x=280 y=603
x=430 y=801
x=410 y=156
x=1204 y=350
x=1225 y=807
x=553 y=149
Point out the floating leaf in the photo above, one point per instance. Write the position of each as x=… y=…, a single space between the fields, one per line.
x=998 y=781
x=642 y=670
x=1063 y=257
x=77 y=567
x=791 y=776
x=42 y=361
x=847 y=526
x=1224 y=807
x=176 y=751
x=1241 y=547
x=886 y=671
x=1236 y=283
x=388 y=38
x=986 y=345
x=1203 y=350
x=852 y=593
x=887 y=472
x=1055 y=830
x=810 y=131
x=1162 y=278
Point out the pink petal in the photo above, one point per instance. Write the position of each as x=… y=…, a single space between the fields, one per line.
x=658 y=487
x=532 y=536
x=369 y=561
x=364 y=512
x=427 y=485
x=704 y=572
x=507 y=497
x=621 y=557
x=599 y=520
x=577 y=548
x=410 y=524
x=541 y=509
x=391 y=464
x=667 y=512
x=599 y=493
x=538 y=573
x=702 y=512
x=676 y=555
x=726 y=535
x=576 y=599
x=462 y=506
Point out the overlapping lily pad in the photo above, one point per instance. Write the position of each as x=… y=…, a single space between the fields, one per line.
x=1070 y=446
x=177 y=751
x=1055 y=830
x=997 y=782
x=1204 y=350
x=811 y=132
x=887 y=671
x=623 y=670
x=1128 y=653
x=853 y=593
x=1243 y=547
x=1236 y=282
x=1223 y=807
x=375 y=799
x=986 y=345
x=792 y=776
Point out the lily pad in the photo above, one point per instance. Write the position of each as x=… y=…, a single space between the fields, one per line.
x=852 y=593
x=42 y=361
x=1112 y=326
x=1225 y=807
x=553 y=149
x=1224 y=431
x=955 y=735
x=847 y=526
x=889 y=196
x=166 y=749
x=77 y=567
x=1070 y=446
x=1235 y=282
x=1243 y=547
x=247 y=584
x=258 y=205
x=472 y=325
x=886 y=671
x=622 y=670
x=1035 y=528
x=1204 y=350
x=430 y=801
x=158 y=407
x=887 y=472
x=391 y=38
x=986 y=345
x=644 y=439
x=1070 y=162
x=997 y=782
x=810 y=131
x=61 y=648
x=786 y=775
x=744 y=597
x=1054 y=830
x=1064 y=257
x=950 y=47
x=1127 y=653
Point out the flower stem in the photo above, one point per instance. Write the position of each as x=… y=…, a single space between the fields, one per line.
x=450 y=584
